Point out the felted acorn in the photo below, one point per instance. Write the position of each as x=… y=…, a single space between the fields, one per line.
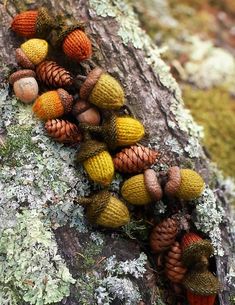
x=118 y=131
x=105 y=210
x=25 y=85
x=134 y=159
x=50 y=73
x=194 y=247
x=33 y=23
x=75 y=43
x=97 y=161
x=175 y=271
x=142 y=189
x=53 y=104
x=184 y=183
x=84 y=112
x=102 y=90
x=163 y=235
x=31 y=53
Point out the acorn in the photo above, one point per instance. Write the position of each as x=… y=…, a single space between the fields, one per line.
x=102 y=90
x=53 y=104
x=35 y=23
x=25 y=85
x=184 y=183
x=142 y=189
x=84 y=112
x=118 y=131
x=97 y=161
x=75 y=42
x=194 y=247
x=105 y=210
x=31 y=53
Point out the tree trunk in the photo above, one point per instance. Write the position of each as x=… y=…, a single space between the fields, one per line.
x=152 y=95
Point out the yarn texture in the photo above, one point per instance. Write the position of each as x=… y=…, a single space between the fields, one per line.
x=191 y=185
x=35 y=49
x=135 y=192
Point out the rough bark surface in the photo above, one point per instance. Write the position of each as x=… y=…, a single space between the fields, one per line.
x=148 y=99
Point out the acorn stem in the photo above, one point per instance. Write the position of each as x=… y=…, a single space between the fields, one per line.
x=80 y=77
x=82 y=200
x=91 y=128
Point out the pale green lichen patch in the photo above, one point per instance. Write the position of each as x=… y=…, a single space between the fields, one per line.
x=30 y=262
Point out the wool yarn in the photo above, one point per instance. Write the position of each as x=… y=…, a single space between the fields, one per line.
x=102 y=90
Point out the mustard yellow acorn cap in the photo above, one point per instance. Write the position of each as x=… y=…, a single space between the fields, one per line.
x=35 y=50
x=201 y=282
x=191 y=185
x=118 y=131
x=106 y=210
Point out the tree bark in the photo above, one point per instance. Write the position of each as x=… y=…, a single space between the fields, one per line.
x=148 y=96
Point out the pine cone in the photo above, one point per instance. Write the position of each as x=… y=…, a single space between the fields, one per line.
x=63 y=131
x=174 y=267
x=134 y=159
x=163 y=235
x=52 y=74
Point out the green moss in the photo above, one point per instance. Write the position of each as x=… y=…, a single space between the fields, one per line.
x=90 y=255
x=215 y=111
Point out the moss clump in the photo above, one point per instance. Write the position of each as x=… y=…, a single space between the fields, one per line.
x=215 y=111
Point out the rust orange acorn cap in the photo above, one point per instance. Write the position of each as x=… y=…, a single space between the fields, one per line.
x=33 y=23
x=75 y=43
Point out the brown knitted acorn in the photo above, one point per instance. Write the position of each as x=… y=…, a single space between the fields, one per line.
x=134 y=159
x=53 y=75
x=174 y=267
x=84 y=112
x=63 y=131
x=163 y=235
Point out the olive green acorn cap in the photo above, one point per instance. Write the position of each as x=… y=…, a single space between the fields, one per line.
x=45 y=22
x=89 y=149
x=66 y=29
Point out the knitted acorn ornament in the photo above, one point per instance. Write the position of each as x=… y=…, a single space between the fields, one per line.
x=31 y=53
x=75 y=42
x=194 y=247
x=175 y=271
x=51 y=74
x=53 y=104
x=106 y=210
x=97 y=161
x=33 y=23
x=102 y=90
x=163 y=235
x=184 y=183
x=119 y=131
x=134 y=159
x=142 y=189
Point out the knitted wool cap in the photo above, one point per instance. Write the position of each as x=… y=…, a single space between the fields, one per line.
x=75 y=42
x=139 y=190
x=194 y=247
x=103 y=90
x=105 y=210
x=97 y=161
x=32 y=52
x=33 y=23
x=53 y=104
x=119 y=131
x=191 y=185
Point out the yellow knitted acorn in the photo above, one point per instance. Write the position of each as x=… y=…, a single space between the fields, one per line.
x=31 y=53
x=97 y=161
x=119 y=131
x=103 y=90
x=184 y=183
x=53 y=104
x=106 y=210
x=142 y=189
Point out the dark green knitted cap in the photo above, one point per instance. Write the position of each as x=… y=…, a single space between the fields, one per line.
x=195 y=251
x=44 y=23
x=90 y=148
x=97 y=205
x=201 y=283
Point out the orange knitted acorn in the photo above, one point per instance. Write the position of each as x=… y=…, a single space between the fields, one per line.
x=33 y=23
x=75 y=42
x=53 y=104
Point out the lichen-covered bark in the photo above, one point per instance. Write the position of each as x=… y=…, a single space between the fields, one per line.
x=152 y=95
